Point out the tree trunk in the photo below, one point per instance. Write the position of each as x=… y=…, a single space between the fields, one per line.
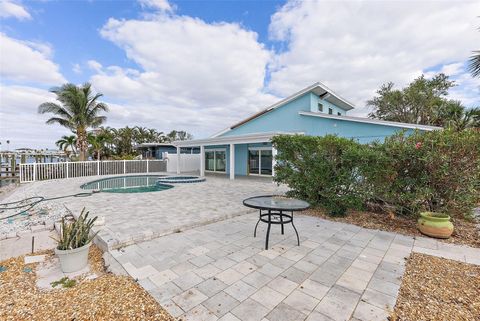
x=82 y=144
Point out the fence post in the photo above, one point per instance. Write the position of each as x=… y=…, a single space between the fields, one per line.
x=124 y=166
x=147 y=167
x=34 y=171
x=98 y=167
x=68 y=167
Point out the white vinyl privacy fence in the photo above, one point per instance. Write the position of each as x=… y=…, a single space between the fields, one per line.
x=188 y=162
x=45 y=171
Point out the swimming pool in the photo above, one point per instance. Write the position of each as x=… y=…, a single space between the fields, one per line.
x=127 y=184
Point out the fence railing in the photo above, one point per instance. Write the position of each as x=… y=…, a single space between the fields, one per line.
x=45 y=171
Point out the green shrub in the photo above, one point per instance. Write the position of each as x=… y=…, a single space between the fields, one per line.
x=323 y=170
x=436 y=171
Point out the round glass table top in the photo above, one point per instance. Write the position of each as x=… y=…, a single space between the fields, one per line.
x=276 y=202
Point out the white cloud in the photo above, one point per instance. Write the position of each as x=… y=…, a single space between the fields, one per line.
x=20 y=122
x=76 y=68
x=162 y=5
x=28 y=62
x=9 y=9
x=356 y=46
x=191 y=73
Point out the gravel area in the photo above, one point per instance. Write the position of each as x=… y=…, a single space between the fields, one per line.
x=438 y=289
x=108 y=297
x=465 y=232
x=40 y=217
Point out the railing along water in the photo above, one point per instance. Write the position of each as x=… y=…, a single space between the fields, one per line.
x=46 y=171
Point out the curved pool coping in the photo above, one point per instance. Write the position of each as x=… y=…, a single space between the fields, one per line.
x=111 y=190
x=180 y=180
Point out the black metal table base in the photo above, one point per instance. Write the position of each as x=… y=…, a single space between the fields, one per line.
x=275 y=217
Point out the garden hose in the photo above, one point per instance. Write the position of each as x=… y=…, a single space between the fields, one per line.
x=30 y=202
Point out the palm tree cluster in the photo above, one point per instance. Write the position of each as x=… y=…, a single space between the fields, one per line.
x=108 y=142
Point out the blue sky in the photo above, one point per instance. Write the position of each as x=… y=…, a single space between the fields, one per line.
x=201 y=65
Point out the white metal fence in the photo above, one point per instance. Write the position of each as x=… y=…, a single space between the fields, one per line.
x=45 y=171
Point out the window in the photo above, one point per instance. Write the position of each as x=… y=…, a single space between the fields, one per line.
x=260 y=161
x=215 y=160
x=320 y=107
x=330 y=111
x=339 y=114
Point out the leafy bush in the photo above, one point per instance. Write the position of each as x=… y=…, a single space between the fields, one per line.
x=76 y=234
x=436 y=171
x=323 y=170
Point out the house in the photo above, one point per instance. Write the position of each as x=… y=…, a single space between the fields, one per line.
x=158 y=150
x=245 y=148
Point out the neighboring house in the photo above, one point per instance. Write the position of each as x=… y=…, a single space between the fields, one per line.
x=158 y=150
x=316 y=111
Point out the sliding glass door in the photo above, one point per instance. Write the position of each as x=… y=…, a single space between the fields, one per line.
x=215 y=160
x=260 y=161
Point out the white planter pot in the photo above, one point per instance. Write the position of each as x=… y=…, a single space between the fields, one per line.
x=73 y=260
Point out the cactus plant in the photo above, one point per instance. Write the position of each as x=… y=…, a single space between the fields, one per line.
x=76 y=234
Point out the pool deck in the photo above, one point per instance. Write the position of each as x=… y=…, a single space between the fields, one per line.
x=137 y=217
x=192 y=249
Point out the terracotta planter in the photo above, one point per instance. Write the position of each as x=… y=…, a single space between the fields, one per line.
x=435 y=225
x=73 y=260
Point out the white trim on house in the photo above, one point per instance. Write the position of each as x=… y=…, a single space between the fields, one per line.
x=226 y=140
x=371 y=121
x=318 y=88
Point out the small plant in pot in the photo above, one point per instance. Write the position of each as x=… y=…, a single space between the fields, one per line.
x=435 y=225
x=74 y=242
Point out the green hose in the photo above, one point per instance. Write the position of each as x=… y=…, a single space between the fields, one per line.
x=34 y=201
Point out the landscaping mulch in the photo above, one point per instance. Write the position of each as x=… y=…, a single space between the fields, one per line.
x=438 y=289
x=465 y=232
x=107 y=297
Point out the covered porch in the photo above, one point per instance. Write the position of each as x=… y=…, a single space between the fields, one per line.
x=233 y=156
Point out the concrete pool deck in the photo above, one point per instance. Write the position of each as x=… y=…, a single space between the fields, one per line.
x=135 y=217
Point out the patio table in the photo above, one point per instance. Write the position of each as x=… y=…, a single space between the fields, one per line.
x=276 y=209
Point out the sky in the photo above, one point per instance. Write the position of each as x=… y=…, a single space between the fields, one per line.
x=201 y=66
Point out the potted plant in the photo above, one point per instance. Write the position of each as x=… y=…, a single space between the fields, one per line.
x=435 y=225
x=74 y=242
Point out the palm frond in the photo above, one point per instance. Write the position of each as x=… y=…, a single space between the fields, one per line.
x=474 y=64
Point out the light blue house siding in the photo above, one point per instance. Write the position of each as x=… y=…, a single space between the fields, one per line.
x=287 y=119
x=296 y=114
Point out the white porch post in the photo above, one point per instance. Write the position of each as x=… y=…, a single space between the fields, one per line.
x=202 y=160
x=178 y=160
x=232 y=161
x=274 y=160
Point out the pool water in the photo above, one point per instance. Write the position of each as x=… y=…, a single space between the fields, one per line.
x=127 y=184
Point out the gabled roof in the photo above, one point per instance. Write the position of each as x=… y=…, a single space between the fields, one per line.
x=317 y=88
x=371 y=121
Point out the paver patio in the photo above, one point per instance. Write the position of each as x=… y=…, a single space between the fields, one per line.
x=221 y=272
x=136 y=217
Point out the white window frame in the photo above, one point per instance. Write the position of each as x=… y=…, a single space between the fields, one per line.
x=215 y=150
x=259 y=161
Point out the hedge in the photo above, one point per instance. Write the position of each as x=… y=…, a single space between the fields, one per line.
x=436 y=171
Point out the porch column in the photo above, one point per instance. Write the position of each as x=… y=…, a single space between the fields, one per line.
x=274 y=160
x=202 y=160
x=178 y=160
x=232 y=161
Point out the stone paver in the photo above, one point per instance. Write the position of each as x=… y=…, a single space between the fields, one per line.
x=134 y=218
x=329 y=277
x=219 y=271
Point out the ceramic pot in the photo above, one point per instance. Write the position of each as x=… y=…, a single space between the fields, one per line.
x=73 y=260
x=435 y=225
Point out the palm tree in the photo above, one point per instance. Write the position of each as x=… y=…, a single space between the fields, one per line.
x=78 y=111
x=97 y=143
x=67 y=142
x=475 y=64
